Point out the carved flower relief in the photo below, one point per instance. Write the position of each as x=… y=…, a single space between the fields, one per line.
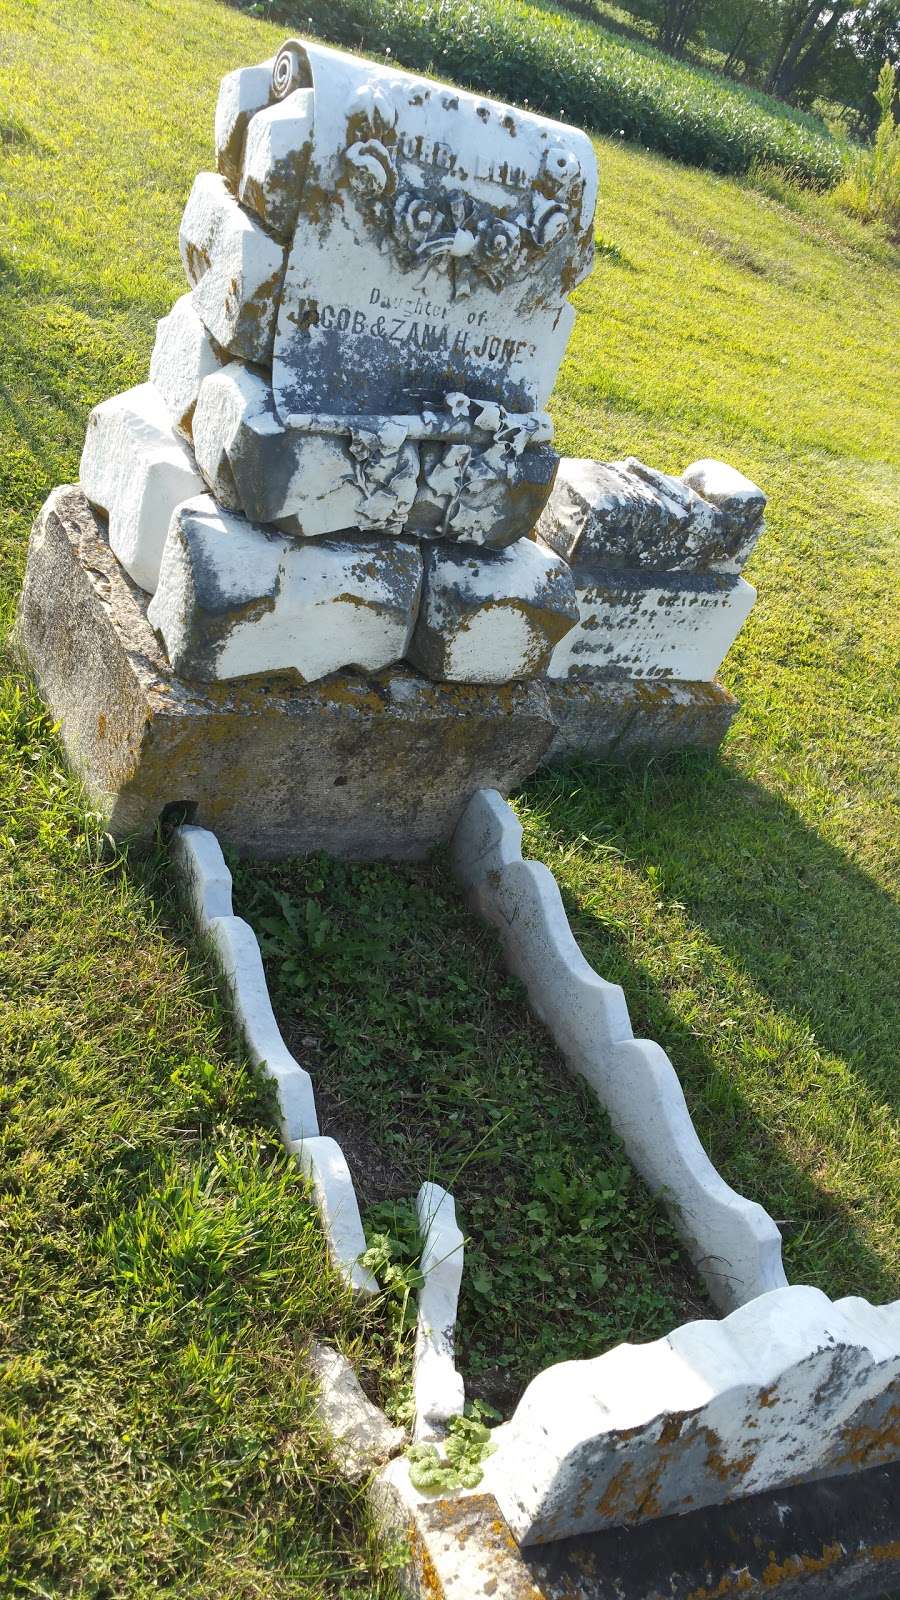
x=472 y=483
x=385 y=471
x=499 y=245
x=370 y=169
x=417 y=219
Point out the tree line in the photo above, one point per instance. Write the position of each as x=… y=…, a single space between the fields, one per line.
x=799 y=50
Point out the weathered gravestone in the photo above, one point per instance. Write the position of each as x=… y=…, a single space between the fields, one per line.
x=325 y=575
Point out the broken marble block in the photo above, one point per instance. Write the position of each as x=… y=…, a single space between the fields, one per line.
x=184 y=354
x=241 y=94
x=235 y=599
x=490 y=616
x=309 y=483
x=276 y=157
x=739 y=500
x=622 y=513
x=490 y=495
x=135 y=470
x=235 y=267
x=639 y=624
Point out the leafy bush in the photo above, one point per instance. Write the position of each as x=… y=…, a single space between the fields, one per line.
x=870 y=188
x=576 y=70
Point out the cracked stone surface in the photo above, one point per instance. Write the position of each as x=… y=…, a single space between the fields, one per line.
x=235 y=599
x=491 y=616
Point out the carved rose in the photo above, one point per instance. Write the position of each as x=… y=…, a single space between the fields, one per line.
x=499 y=241
x=416 y=218
x=369 y=167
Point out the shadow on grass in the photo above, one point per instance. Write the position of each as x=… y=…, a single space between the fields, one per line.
x=817 y=938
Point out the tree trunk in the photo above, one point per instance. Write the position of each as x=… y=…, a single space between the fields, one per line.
x=796 y=20
x=731 y=60
x=807 y=46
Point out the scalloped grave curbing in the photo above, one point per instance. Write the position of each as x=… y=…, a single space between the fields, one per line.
x=790 y=1388
x=198 y=858
x=732 y=1241
x=438 y=1388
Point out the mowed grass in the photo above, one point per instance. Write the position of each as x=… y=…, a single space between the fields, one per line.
x=161 y=1267
x=749 y=904
x=162 y=1271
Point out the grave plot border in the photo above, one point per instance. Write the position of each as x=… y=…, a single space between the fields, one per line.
x=749 y=1380
x=733 y=1242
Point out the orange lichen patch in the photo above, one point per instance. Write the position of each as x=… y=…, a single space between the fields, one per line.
x=430 y=1586
x=730 y=1583
x=727 y=1472
x=619 y=1488
x=886 y=1552
x=799 y=1565
x=865 y=1446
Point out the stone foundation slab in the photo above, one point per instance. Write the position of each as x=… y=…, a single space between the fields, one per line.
x=615 y=719
x=363 y=768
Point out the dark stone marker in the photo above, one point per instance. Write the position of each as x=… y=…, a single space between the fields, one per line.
x=838 y=1539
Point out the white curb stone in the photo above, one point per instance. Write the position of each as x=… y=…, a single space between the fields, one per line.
x=788 y=1388
x=198 y=855
x=183 y=355
x=136 y=470
x=361 y=1437
x=437 y=1386
x=241 y=94
x=276 y=156
x=732 y=1241
x=488 y=837
x=652 y=624
x=235 y=267
x=235 y=599
x=303 y=481
x=238 y=952
x=489 y=616
x=322 y=1162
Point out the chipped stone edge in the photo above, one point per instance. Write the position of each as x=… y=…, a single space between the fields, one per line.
x=733 y=1242
x=359 y=1433
x=786 y=1389
x=438 y=1389
x=458 y=1547
x=198 y=859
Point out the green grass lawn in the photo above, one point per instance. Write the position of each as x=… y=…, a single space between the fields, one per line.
x=160 y=1266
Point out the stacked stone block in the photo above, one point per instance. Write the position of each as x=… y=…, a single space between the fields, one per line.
x=341 y=462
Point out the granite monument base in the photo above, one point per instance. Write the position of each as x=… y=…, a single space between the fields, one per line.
x=360 y=767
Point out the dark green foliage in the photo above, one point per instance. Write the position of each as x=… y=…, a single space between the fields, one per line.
x=538 y=57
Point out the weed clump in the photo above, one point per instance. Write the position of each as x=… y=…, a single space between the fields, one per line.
x=870 y=188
